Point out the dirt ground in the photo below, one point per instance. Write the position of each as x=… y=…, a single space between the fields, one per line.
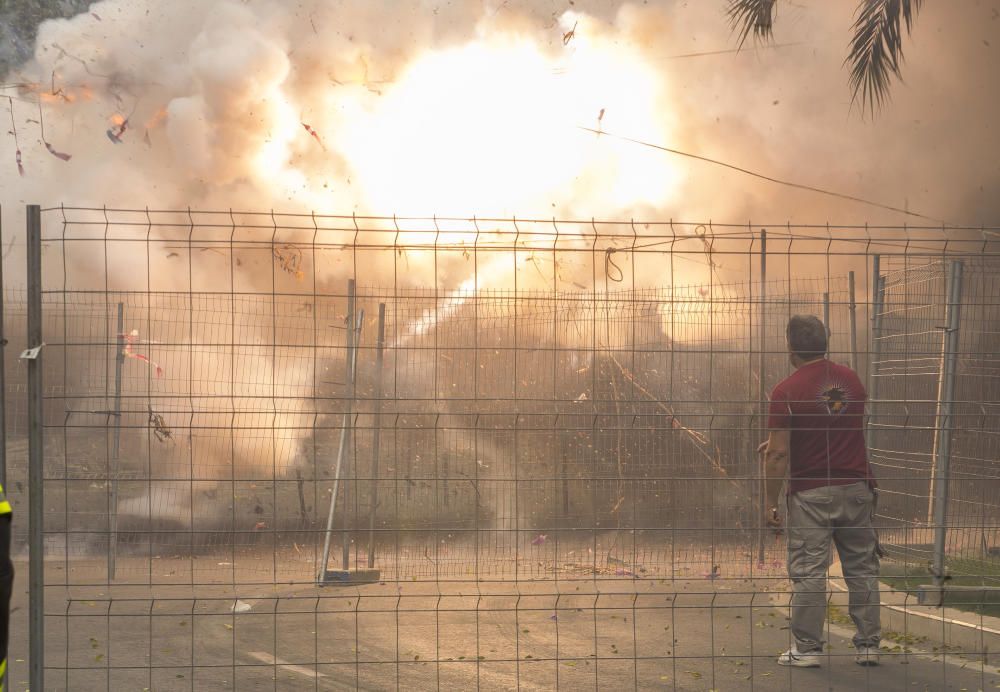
x=568 y=630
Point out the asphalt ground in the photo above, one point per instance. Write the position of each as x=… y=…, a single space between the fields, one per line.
x=605 y=631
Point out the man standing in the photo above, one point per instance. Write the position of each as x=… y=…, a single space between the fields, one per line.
x=816 y=421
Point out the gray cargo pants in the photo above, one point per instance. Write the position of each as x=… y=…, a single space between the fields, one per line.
x=843 y=513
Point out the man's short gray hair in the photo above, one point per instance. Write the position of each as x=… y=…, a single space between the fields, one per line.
x=806 y=337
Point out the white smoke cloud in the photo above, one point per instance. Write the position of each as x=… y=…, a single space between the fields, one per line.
x=466 y=108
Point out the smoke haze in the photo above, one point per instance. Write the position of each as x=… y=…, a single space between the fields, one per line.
x=473 y=108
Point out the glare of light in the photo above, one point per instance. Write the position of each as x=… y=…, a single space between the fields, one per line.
x=490 y=128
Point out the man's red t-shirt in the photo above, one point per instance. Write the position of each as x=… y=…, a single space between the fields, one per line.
x=823 y=404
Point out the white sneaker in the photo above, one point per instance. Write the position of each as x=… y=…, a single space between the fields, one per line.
x=792 y=657
x=867 y=656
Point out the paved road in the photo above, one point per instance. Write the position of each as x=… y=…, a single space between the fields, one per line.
x=585 y=634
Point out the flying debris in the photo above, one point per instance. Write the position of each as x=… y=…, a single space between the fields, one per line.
x=160 y=429
x=13 y=131
x=290 y=260
x=539 y=539
x=116 y=135
x=131 y=339
x=49 y=147
x=57 y=154
x=570 y=35
x=315 y=135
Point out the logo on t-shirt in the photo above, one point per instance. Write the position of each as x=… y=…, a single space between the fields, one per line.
x=834 y=399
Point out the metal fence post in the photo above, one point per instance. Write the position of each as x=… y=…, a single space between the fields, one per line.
x=373 y=498
x=344 y=431
x=349 y=456
x=3 y=381
x=942 y=429
x=3 y=404
x=826 y=321
x=762 y=391
x=116 y=443
x=36 y=459
x=875 y=345
x=853 y=305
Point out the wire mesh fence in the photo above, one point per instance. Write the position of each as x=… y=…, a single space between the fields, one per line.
x=907 y=378
x=541 y=434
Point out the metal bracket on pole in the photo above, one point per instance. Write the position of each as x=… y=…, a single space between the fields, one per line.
x=31 y=353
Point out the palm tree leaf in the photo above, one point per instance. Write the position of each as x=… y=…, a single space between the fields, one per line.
x=876 y=49
x=751 y=17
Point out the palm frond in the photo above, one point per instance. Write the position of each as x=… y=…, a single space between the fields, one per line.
x=876 y=49
x=751 y=17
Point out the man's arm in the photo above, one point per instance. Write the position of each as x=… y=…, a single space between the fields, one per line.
x=776 y=465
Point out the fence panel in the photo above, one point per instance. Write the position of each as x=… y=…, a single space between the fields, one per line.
x=567 y=483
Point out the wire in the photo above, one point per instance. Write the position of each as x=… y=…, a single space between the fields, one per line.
x=733 y=50
x=778 y=181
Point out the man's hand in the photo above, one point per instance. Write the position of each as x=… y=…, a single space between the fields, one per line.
x=773 y=519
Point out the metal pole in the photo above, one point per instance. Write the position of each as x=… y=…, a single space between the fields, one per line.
x=373 y=500
x=355 y=341
x=875 y=345
x=36 y=459
x=854 y=322
x=342 y=449
x=116 y=442
x=826 y=321
x=3 y=407
x=942 y=430
x=3 y=387
x=761 y=391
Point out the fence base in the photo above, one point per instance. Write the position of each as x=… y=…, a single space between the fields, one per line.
x=346 y=577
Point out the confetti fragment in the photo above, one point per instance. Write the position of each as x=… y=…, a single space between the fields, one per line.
x=315 y=135
x=241 y=607
x=131 y=339
x=539 y=539
x=95 y=16
x=714 y=574
x=570 y=35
